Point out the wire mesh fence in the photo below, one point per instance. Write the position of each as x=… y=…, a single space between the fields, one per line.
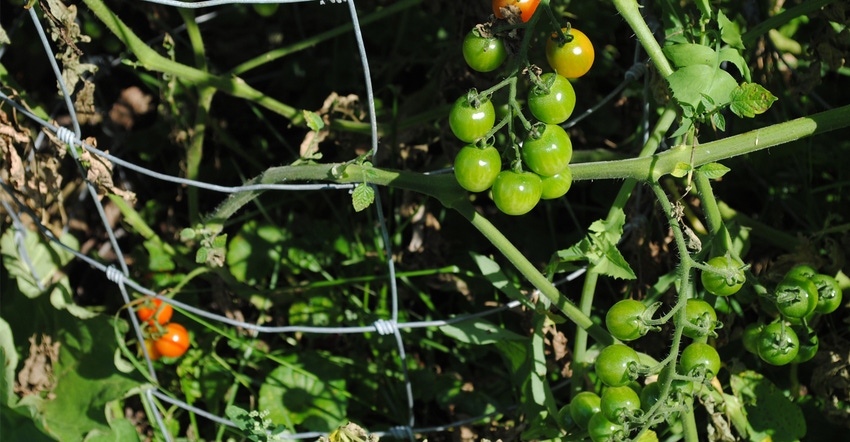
x=70 y=136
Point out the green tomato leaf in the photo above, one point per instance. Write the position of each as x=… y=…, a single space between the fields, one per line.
x=305 y=390
x=491 y=271
x=314 y=120
x=9 y=358
x=769 y=412
x=734 y=56
x=713 y=171
x=704 y=9
x=690 y=54
x=686 y=125
x=362 y=197
x=719 y=121
x=750 y=99
x=479 y=332
x=599 y=248
x=690 y=83
x=34 y=262
x=729 y=31
x=681 y=170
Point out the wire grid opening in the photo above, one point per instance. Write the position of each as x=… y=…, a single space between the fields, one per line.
x=120 y=276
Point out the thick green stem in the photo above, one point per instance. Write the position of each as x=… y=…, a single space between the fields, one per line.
x=630 y=10
x=195 y=151
x=719 y=233
x=580 y=362
x=652 y=168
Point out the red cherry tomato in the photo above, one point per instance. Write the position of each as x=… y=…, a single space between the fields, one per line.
x=153 y=306
x=526 y=7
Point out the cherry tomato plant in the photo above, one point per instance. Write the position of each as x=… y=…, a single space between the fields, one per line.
x=670 y=242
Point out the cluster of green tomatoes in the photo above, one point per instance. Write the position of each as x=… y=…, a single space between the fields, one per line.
x=798 y=298
x=623 y=405
x=538 y=159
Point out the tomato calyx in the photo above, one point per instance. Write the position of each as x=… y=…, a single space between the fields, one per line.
x=474 y=99
x=563 y=36
x=541 y=86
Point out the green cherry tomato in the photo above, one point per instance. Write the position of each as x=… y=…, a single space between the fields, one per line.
x=751 y=336
x=619 y=402
x=623 y=320
x=483 y=54
x=469 y=123
x=555 y=104
x=802 y=271
x=649 y=396
x=614 y=365
x=778 y=344
x=729 y=281
x=565 y=419
x=584 y=406
x=557 y=185
x=809 y=344
x=601 y=429
x=476 y=169
x=829 y=293
x=550 y=153
x=516 y=193
x=699 y=359
x=796 y=297
x=573 y=59
x=700 y=314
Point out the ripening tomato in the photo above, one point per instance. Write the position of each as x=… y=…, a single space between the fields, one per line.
x=153 y=306
x=572 y=59
x=153 y=353
x=526 y=7
x=174 y=342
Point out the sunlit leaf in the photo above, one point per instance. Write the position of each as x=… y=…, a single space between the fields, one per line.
x=751 y=99
x=362 y=197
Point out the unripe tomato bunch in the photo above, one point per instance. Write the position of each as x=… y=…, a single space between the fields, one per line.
x=801 y=295
x=622 y=407
x=163 y=337
x=539 y=157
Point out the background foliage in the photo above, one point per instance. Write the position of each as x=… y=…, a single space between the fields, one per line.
x=308 y=258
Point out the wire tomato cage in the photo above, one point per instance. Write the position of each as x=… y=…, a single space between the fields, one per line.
x=119 y=274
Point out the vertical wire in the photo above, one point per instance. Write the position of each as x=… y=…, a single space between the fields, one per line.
x=373 y=123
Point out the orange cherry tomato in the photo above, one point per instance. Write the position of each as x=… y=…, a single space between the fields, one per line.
x=573 y=59
x=174 y=342
x=526 y=7
x=153 y=306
